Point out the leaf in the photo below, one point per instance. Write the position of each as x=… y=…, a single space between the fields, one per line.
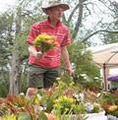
x=42 y=116
x=24 y=116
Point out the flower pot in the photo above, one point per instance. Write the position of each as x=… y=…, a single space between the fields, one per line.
x=111 y=117
x=96 y=116
x=73 y=117
x=90 y=116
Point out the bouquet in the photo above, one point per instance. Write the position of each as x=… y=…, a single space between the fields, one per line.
x=45 y=42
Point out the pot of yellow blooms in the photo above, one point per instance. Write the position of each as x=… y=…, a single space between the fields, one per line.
x=67 y=108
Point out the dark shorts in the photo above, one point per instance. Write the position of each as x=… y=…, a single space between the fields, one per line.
x=39 y=77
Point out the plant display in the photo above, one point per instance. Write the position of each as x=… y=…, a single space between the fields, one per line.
x=45 y=42
x=61 y=102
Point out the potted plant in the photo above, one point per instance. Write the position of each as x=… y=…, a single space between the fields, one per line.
x=109 y=102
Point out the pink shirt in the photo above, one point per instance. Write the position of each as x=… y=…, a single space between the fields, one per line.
x=52 y=58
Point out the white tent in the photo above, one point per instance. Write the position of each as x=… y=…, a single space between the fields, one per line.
x=106 y=57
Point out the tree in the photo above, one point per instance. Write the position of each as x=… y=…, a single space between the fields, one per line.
x=16 y=59
x=5 y=48
x=14 y=30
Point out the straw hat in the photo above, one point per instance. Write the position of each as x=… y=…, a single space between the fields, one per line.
x=52 y=4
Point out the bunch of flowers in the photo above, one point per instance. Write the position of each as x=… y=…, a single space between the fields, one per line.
x=45 y=42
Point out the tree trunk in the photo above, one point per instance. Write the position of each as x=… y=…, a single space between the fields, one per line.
x=15 y=61
x=79 y=19
x=14 y=74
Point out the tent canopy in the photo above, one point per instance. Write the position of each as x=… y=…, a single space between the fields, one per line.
x=106 y=54
x=106 y=57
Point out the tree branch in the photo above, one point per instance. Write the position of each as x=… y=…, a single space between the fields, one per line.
x=79 y=19
x=71 y=15
x=99 y=31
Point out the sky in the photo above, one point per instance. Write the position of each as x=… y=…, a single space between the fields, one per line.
x=5 y=4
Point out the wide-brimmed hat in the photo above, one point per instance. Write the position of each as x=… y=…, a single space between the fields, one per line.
x=52 y=4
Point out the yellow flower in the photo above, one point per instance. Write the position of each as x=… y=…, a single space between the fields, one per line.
x=113 y=107
x=97 y=105
x=65 y=99
x=9 y=117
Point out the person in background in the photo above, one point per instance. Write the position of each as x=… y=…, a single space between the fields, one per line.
x=44 y=68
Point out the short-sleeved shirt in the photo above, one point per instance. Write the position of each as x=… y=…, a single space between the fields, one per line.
x=52 y=57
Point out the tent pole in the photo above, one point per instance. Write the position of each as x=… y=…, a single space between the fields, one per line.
x=105 y=75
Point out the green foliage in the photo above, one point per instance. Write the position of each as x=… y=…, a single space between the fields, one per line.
x=85 y=69
x=83 y=60
x=47 y=102
x=110 y=38
x=4 y=84
x=6 y=37
x=108 y=98
x=42 y=116
x=24 y=116
x=22 y=46
x=23 y=82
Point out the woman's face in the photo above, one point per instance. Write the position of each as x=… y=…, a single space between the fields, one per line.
x=55 y=13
